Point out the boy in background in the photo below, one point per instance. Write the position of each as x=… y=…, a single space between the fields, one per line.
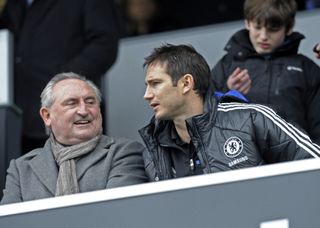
x=263 y=63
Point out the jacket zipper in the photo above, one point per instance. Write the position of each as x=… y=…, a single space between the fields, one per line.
x=276 y=92
x=269 y=77
x=202 y=156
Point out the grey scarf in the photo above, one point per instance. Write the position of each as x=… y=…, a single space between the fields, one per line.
x=67 y=182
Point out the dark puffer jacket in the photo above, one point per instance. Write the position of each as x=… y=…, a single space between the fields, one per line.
x=230 y=136
x=286 y=81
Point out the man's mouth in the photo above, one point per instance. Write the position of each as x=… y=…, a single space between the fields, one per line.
x=82 y=122
x=264 y=45
x=154 y=105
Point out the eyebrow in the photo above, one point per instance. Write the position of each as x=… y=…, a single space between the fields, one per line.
x=68 y=100
x=75 y=99
x=153 y=79
x=91 y=97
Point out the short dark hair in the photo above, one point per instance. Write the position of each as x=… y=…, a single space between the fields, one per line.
x=180 y=60
x=271 y=13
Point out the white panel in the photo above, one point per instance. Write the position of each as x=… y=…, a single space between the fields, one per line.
x=6 y=80
x=282 y=223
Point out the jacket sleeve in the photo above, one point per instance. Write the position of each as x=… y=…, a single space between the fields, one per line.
x=312 y=100
x=100 y=31
x=127 y=165
x=280 y=141
x=12 y=191
x=219 y=76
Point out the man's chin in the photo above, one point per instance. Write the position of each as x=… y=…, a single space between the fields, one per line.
x=83 y=138
x=157 y=116
x=78 y=140
x=160 y=117
x=263 y=51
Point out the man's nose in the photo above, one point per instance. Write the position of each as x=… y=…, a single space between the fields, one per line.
x=264 y=34
x=82 y=108
x=148 y=94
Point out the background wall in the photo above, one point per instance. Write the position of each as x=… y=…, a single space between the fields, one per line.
x=126 y=111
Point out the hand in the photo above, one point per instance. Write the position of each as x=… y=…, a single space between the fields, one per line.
x=316 y=50
x=239 y=80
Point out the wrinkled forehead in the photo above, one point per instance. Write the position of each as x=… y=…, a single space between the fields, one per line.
x=72 y=88
x=156 y=72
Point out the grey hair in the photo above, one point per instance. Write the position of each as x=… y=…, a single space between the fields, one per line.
x=47 y=96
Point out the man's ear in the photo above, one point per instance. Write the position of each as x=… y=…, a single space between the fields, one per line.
x=187 y=82
x=45 y=115
x=290 y=31
x=247 y=24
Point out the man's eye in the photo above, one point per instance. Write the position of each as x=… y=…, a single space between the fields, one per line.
x=273 y=29
x=91 y=101
x=70 y=103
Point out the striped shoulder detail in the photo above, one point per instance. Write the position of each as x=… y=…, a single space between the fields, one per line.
x=298 y=136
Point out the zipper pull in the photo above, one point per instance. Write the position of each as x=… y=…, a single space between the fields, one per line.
x=191 y=164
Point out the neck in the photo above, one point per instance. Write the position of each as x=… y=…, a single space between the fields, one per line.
x=194 y=109
x=182 y=131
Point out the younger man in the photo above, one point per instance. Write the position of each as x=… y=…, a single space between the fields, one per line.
x=191 y=134
x=262 y=62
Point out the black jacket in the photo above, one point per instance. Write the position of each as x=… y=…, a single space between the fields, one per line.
x=286 y=81
x=54 y=36
x=230 y=136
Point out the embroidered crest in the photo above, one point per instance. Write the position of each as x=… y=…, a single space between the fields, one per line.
x=233 y=147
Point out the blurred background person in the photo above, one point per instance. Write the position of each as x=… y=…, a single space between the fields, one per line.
x=53 y=36
x=2 y=3
x=140 y=17
x=312 y=4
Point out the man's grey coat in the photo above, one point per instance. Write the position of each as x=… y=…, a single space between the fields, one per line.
x=113 y=163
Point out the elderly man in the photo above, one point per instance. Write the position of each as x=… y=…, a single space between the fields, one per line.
x=76 y=157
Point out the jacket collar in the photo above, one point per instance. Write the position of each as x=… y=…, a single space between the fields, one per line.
x=45 y=167
x=41 y=8
x=19 y=12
